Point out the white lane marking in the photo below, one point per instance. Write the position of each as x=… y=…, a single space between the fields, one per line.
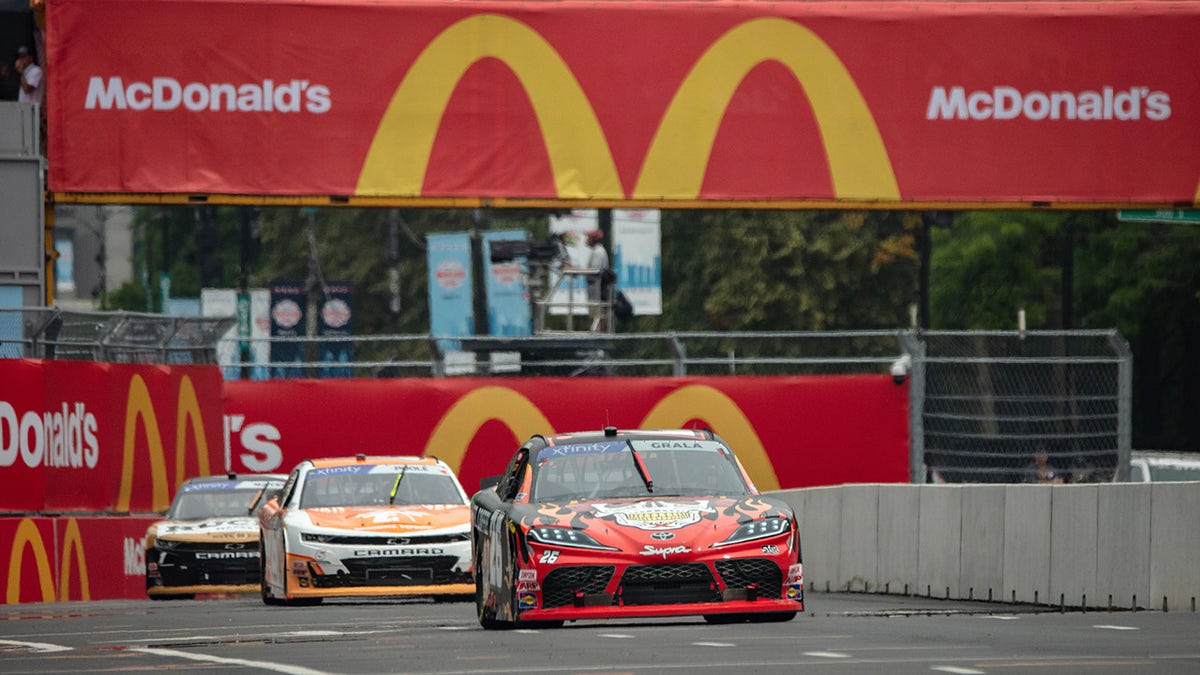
x=714 y=644
x=1002 y=617
x=828 y=655
x=453 y=627
x=208 y=658
x=320 y=633
x=43 y=647
x=527 y=631
x=959 y=671
x=617 y=636
x=1117 y=627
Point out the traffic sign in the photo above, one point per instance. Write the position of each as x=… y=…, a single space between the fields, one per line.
x=1185 y=216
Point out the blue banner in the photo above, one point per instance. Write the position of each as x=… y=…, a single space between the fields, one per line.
x=449 y=261
x=507 y=294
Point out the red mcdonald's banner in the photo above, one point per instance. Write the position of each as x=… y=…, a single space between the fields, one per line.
x=83 y=436
x=670 y=103
x=57 y=559
x=789 y=431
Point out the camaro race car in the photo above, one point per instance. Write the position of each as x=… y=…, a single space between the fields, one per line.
x=631 y=524
x=366 y=526
x=208 y=542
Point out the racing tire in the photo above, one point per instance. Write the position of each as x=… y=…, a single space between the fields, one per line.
x=772 y=617
x=725 y=619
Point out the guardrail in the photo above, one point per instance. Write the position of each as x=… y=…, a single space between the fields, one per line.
x=1106 y=546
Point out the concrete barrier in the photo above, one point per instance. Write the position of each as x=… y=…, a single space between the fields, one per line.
x=1127 y=546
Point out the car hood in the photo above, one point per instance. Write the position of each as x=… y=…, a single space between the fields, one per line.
x=635 y=523
x=209 y=529
x=399 y=518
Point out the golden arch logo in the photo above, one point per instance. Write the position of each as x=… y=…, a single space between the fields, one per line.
x=702 y=401
x=678 y=156
x=580 y=157
x=139 y=412
x=579 y=154
x=27 y=536
x=459 y=425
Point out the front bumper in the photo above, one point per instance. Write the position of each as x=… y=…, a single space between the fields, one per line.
x=202 y=568
x=334 y=571
x=623 y=588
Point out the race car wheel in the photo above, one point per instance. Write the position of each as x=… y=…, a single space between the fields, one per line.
x=772 y=617
x=725 y=619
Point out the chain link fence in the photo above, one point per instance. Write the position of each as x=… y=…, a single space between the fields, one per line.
x=1010 y=407
x=985 y=407
x=114 y=337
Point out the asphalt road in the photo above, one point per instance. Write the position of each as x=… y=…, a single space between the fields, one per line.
x=839 y=633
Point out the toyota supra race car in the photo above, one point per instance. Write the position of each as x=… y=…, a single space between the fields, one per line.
x=628 y=524
x=208 y=542
x=366 y=526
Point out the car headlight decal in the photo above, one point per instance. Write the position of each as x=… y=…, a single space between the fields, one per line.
x=567 y=538
x=757 y=529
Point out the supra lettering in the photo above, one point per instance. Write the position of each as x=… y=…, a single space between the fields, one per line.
x=1007 y=103
x=168 y=93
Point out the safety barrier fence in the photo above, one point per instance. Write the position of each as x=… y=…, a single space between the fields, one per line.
x=1118 y=546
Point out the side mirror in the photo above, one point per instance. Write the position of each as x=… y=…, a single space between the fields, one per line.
x=489 y=483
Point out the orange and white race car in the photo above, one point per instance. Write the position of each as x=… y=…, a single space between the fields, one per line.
x=366 y=526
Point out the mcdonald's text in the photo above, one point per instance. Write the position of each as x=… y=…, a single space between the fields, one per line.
x=61 y=438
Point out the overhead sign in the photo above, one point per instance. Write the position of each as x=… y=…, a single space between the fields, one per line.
x=1188 y=216
x=648 y=102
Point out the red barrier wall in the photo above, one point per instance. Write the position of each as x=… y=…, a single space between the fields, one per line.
x=55 y=559
x=789 y=431
x=81 y=436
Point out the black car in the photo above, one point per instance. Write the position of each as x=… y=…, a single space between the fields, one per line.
x=208 y=541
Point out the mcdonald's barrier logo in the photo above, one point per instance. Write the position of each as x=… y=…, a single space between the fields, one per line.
x=29 y=537
x=139 y=414
x=453 y=433
x=581 y=159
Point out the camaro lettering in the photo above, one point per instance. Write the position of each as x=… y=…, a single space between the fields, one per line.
x=382 y=552
x=226 y=555
x=168 y=93
x=1007 y=103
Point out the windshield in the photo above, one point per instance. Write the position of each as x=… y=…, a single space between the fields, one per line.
x=607 y=469
x=216 y=500
x=379 y=485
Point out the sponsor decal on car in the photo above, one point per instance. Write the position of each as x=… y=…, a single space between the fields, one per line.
x=663 y=536
x=664 y=551
x=655 y=515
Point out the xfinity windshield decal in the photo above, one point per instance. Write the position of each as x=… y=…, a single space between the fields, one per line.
x=583 y=449
x=168 y=93
x=338 y=470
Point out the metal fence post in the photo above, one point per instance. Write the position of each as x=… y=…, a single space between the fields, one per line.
x=911 y=344
x=1124 y=404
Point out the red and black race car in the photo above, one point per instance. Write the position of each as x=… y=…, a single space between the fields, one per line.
x=626 y=524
